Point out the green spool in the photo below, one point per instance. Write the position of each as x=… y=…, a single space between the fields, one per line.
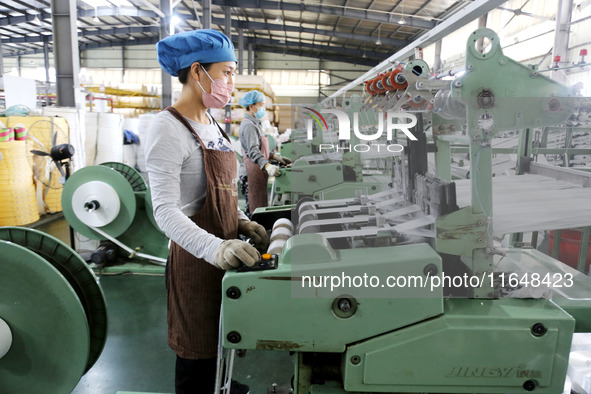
x=75 y=270
x=137 y=182
x=109 y=180
x=50 y=337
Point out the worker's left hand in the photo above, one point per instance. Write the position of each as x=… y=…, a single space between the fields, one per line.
x=255 y=232
x=282 y=159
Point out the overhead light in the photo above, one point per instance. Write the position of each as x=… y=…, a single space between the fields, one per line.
x=402 y=21
x=131 y=37
x=364 y=55
x=36 y=20
x=282 y=41
x=378 y=41
x=96 y=18
x=175 y=20
x=278 y=20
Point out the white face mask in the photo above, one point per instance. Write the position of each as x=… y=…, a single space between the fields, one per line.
x=220 y=95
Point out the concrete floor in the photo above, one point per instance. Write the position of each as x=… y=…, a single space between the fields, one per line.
x=136 y=357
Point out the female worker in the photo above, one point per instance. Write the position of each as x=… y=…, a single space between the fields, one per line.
x=255 y=146
x=193 y=181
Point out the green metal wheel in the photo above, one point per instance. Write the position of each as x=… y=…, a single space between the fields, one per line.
x=98 y=196
x=75 y=270
x=133 y=177
x=49 y=342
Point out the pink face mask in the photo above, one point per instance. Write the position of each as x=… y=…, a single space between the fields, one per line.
x=220 y=95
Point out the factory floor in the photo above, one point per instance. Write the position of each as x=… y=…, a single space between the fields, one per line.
x=136 y=357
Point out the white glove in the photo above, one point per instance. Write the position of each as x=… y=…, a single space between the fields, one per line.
x=232 y=252
x=255 y=232
x=272 y=170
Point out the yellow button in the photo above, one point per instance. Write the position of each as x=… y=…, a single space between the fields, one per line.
x=266 y=256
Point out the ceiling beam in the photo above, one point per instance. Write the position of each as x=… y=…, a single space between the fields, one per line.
x=391 y=43
x=310 y=54
x=154 y=8
x=464 y=16
x=322 y=49
x=368 y=15
x=112 y=44
x=13 y=20
x=87 y=33
x=293 y=48
x=116 y=11
x=249 y=25
x=374 y=16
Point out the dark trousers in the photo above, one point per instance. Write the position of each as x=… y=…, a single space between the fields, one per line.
x=194 y=376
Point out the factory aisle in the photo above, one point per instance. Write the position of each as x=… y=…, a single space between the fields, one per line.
x=136 y=357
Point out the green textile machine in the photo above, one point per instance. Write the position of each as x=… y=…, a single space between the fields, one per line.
x=111 y=202
x=403 y=291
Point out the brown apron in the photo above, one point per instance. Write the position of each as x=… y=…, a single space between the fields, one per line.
x=257 y=178
x=194 y=285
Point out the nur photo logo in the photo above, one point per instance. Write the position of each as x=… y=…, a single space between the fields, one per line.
x=386 y=122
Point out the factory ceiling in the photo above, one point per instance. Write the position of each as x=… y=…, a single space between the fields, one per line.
x=353 y=31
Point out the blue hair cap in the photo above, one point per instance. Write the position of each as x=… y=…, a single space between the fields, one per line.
x=252 y=97
x=183 y=49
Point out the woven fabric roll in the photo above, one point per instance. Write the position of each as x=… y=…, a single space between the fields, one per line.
x=281 y=233
x=276 y=246
x=14 y=167
x=41 y=132
x=131 y=124
x=20 y=133
x=6 y=134
x=130 y=155
x=283 y=223
x=18 y=205
x=130 y=151
x=53 y=200
x=104 y=137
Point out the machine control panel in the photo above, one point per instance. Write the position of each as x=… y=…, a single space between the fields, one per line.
x=267 y=262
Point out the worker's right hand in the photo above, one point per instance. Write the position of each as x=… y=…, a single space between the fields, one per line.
x=232 y=252
x=272 y=170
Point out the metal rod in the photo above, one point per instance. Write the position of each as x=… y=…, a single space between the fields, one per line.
x=132 y=253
